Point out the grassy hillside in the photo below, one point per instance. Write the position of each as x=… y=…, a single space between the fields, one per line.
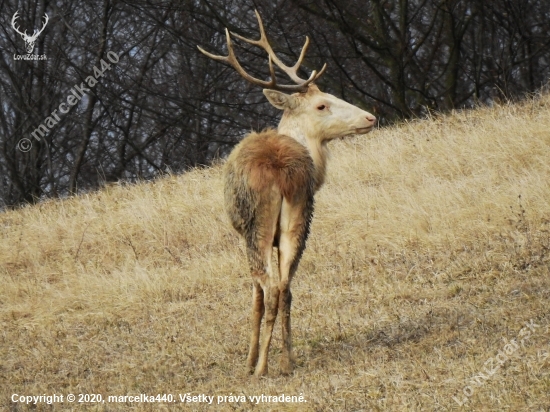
x=430 y=251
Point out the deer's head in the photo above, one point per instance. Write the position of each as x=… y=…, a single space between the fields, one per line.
x=309 y=114
x=29 y=40
x=319 y=115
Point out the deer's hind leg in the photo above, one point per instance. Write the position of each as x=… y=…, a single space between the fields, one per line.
x=265 y=292
x=255 y=323
x=294 y=229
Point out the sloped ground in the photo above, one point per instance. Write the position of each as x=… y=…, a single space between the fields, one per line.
x=429 y=253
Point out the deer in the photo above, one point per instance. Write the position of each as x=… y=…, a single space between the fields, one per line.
x=29 y=40
x=270 y=179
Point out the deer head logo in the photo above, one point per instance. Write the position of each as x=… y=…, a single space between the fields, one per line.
x=29 y=40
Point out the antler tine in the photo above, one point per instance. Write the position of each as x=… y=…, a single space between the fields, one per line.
x=302 y=54
x=321 y=72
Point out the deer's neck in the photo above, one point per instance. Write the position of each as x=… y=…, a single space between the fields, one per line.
x=317 y=150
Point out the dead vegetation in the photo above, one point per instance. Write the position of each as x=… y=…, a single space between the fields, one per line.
x=430 y=246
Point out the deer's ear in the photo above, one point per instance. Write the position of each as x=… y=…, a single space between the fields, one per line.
x=280 y=100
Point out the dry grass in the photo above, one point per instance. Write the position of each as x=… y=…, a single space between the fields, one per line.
x=430 y=246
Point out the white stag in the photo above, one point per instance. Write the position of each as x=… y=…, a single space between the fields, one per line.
x=270 y=179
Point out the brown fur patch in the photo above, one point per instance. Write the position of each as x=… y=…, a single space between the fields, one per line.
x=270 y=158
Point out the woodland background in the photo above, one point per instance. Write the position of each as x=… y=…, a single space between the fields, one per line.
x=166 y=107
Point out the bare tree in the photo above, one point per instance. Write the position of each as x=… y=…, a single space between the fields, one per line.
x=163 y=106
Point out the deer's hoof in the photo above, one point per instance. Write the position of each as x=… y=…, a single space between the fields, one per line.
x=286 y=367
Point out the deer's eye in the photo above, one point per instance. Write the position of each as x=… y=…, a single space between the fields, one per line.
x=321 y=107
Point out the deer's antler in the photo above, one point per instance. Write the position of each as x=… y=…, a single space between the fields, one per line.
x=35 y=34
x=301 y=84
x=15 y=17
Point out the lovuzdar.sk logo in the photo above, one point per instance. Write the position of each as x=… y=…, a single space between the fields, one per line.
x=29 y=40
